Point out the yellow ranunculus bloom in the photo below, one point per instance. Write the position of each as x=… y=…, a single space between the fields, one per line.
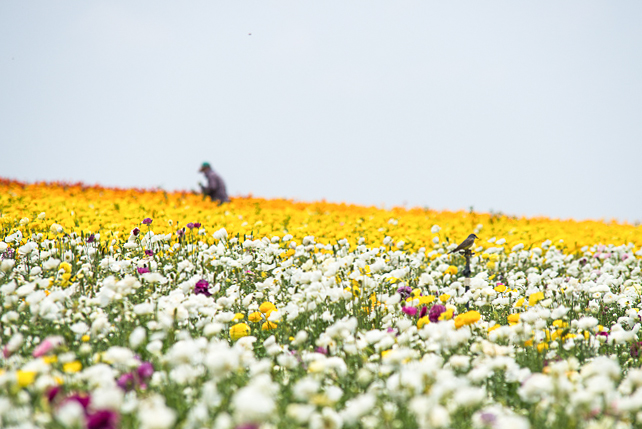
x=239 y=330
x=447 y=315
x=513 y=318
x=520 y=302
x=268 y=326
x=535 y=298
x=445 y=297
x=255 y=317
x=25 y=378
x=500 y=288
x=452 y=270
x=65 y=266
x=239 y=316
x=423 y=321
x=72 y=367
x=426 y=299
x=467 y=318
x=267 y=307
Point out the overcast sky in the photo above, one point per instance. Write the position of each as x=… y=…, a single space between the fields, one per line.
x=528 y=108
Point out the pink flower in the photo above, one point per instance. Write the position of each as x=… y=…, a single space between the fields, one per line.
x=147 y=221
x=410 y=311
x=47 y=345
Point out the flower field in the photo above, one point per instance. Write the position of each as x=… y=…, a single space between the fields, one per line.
x=128 y=308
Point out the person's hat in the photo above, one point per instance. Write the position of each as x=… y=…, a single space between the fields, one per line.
x=204 y=166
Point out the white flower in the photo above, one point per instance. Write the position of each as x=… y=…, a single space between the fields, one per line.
x=71 y=414
x=358 y=407
x=137 y=337
x=435 y=229
x=327 y=419
x=79 y=328
x=220 y=234
x=154 y=414
x=107 y=398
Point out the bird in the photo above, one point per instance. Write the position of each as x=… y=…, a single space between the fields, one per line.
x=466 y=244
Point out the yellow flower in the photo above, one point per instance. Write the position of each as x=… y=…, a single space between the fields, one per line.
x=452 y=270
x=85 y=338
x=239 y=316
x=445 y=297
x=513 y=318
x=490 y=265
x=426 y=299
x=267 y=307
x=467 y=318
x=542 y=347
x=65 y=266
x=239 y=330
x=268 y=326
x=255 y=317
x=71 y=367
x=535 y=298
x=492 y=328
x=520 y=302
x=25 y=378
x=423 y=321
x=500 y=288
x=447 y=315
x=559 y=323
x=50 y=359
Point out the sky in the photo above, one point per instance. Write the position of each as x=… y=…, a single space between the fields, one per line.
x=524 y=108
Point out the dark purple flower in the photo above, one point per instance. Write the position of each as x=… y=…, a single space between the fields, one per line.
x=126 y=381
x=410 y=311
x=143 y=270
x=190 y=225
x=52 y=393
x=147 y=221
x=248 y=426
x=102 y=419
x=404 y=291
x=197 y=224
x=149 y=252
x=83 y=400
x=202 y=287
x=145 y=370
x=136 y=231
x=180 y=232
x=8 y=254
x=321 y=350
x=91 y=238
x=423 y=311
x=435 y=312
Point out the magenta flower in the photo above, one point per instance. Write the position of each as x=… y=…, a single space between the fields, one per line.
x=143 y=270
x=423 y=311
x=321 y=350
x=83 y=400
x=404 y=291
x=145 y=370
x=102 y=419
x=248 y=426
x=136 y=231
x=52 y=393
x=202 y=287
x=147 y=221
x=190 y=225
x=149 y=252
x=126 y=381
x=197 y=224
x=410 y=311
x=435 y=312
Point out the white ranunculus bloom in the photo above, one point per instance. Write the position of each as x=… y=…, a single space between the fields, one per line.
x=154 y=414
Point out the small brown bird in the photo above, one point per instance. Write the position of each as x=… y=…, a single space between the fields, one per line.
x=466 y=244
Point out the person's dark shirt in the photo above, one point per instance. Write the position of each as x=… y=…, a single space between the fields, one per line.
x=215 y=186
